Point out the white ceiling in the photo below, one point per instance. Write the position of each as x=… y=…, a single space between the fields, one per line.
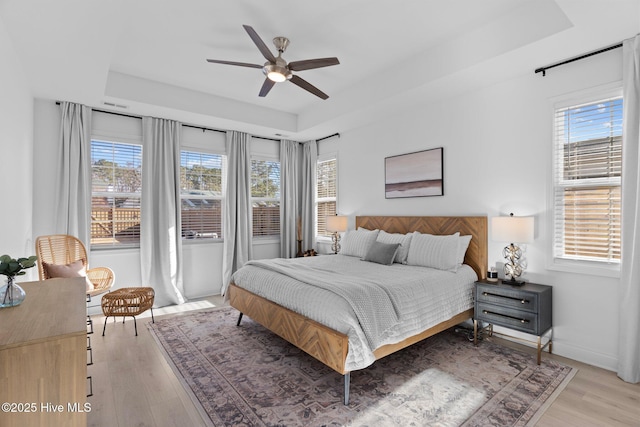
x=149 y=55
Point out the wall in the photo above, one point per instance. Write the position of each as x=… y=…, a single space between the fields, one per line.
x=497 y=153
x=202 y=260
x=16 y=143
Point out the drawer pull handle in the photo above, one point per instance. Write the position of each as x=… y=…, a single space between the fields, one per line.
x=504 y=315
x=522 y=301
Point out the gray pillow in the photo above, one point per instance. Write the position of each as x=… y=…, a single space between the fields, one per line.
x=382 y=253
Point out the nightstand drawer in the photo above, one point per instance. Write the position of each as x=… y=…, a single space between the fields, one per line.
x=507 y=297
x=524 y=321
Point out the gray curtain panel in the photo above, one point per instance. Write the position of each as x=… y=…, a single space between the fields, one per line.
x=73 y=211
x=309 y=192
x=629 y=317
x=160 y=232
x=289 y=210
x=237 y=222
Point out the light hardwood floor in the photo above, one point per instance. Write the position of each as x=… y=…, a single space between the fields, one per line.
x=133 y=385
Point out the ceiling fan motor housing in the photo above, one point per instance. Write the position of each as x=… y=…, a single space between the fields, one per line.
x=279 y=68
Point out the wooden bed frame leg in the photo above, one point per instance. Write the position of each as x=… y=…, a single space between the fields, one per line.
x=347 y=381
x=239 y=319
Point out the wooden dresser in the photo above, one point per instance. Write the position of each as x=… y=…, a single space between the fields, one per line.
x=43 y=356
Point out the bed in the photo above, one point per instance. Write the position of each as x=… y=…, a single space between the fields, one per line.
x=259 y=295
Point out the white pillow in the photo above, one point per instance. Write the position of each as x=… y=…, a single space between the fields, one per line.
x=463 y=244
x=357 y=242
x=427 y=250
x=403 y=239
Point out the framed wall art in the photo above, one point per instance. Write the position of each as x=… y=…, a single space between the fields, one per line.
x=418 y=174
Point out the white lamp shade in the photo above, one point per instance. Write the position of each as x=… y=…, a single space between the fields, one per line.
x=336 y=223
x=513 y=229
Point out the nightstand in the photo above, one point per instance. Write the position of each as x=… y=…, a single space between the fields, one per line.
x=525 y=308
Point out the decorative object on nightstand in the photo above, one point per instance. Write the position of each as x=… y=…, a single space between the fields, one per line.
x=512 y=229
x=299 y=237
x=336 y=224
x=525 y=308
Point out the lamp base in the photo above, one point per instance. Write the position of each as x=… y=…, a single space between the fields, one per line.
x=513 y=282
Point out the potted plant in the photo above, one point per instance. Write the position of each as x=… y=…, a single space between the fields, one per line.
x=11 y=294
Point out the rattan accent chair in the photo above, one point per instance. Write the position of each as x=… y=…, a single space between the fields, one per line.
x=62 y=249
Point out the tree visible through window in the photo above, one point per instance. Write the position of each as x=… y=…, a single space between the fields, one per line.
x=588 y=170
x=265 y=195
x=201 y=194
x=116 y=187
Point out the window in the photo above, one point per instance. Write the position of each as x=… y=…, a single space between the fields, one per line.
x=326 y=193
x=265 y=195
x=116 y=186
x=587 y=181
x=201 y=194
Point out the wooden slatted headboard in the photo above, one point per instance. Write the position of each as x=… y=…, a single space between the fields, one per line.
x=476 y=226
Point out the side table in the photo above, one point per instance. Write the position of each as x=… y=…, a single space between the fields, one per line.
x=525 y=308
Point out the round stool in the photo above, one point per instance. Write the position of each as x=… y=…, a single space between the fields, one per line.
x=127 y=302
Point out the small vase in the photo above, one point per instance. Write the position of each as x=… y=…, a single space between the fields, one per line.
x=11 y=294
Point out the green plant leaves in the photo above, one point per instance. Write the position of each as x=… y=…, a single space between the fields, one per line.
x=15 y=267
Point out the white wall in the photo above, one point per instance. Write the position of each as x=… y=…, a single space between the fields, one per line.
x=497 y=152
x=16 y=145
x=202 y=260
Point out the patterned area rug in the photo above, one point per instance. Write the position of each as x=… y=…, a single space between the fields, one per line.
x=248 y=376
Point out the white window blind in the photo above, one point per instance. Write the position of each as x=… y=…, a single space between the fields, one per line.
x=265 y=196
x=201 y=194
x=327 y=177
x=116 y=187
x=587 y=180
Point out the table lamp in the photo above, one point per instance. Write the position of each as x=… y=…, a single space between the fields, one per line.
x=336 y=224
x=512 y=229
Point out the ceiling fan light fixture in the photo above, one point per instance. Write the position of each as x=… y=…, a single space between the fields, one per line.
x=276 y=72
x=276 y=76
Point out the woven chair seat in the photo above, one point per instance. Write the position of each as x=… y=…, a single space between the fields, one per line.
x=127 y=301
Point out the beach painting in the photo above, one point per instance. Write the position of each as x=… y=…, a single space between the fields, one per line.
x=416 y=174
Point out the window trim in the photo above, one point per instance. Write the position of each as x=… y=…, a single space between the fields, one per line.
x=324 y=158
x=272 y=238
x=193 y=149
x=587 y=267
x=113 y=140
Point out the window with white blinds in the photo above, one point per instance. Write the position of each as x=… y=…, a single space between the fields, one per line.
x=587 y=181
x=201 y=194
x=327 y=180
x=116 y=187
x=265 y=197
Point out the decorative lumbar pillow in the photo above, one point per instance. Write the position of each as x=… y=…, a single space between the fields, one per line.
x=382 y=253
x=74 y=269
x=427 y=250
x=404 y=240
x=357 y=242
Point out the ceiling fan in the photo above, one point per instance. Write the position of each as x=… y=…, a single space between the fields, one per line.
x=276 y=68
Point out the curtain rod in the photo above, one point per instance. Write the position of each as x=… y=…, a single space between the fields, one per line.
x=577 y=58
x=115 y=113
x=327 y=137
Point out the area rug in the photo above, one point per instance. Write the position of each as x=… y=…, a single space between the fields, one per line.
x=247 y=376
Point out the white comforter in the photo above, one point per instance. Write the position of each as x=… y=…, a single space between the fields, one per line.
x=382 y=305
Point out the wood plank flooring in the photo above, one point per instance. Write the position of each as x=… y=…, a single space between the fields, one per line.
x=133 y=385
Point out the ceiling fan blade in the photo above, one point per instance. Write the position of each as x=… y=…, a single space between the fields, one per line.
x=241 y=64
x=308 y=86
x=309 y=64
x=258 y=42
x=266 y=87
